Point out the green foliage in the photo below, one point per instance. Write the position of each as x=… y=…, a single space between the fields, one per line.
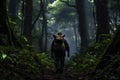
x=46 y=61
x=109 y=65
x=98 y=49
x=85 y=63
x=61 y=11
x=111 y=71
x=55 y=7
x=2 y=55
x=19 y=64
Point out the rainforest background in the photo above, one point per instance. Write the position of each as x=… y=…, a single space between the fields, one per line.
x=91 y=27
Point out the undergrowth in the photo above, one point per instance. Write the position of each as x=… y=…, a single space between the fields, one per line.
x=22 y=64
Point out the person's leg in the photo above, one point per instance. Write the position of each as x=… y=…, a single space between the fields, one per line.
x=57 y=64
x=62 y=63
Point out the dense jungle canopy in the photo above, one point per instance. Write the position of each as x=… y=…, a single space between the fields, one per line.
x=91 y=27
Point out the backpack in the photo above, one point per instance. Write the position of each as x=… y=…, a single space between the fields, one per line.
x=59 y=44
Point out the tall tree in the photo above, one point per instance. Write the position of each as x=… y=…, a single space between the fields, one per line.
x=102 y=19
x=43 y=37
x=13 y=8
x=82 y=27
x=80 y=6
x=7 y=35
x=27 y=29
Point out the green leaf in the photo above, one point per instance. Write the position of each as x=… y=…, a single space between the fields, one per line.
x=3 y=55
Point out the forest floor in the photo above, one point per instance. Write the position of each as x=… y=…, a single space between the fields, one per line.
x=66 y=75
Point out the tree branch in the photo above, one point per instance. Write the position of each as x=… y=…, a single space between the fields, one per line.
x=41 y=6
x=36 y=19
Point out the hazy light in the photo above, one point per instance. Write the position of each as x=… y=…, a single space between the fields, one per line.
x=55 y=3
x=91 y=1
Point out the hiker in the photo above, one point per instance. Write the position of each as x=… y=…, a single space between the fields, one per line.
x=59 y=47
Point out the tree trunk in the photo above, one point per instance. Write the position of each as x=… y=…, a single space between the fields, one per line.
x=45 y=25
x=43 y=37
x=102 y=19
x=27 y=30
x=5 y=38
x=13 y=8
x=82 y=24
x=7 y=35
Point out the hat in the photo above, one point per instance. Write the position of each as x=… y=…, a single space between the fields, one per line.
x=59 y=33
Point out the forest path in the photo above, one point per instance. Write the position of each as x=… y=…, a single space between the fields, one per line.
x=63 y=76
x=66 y=75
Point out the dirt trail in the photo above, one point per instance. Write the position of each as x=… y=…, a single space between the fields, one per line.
x=66 y=75
x=62 y=76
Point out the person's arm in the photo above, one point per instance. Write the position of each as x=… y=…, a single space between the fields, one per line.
x=67 y=47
